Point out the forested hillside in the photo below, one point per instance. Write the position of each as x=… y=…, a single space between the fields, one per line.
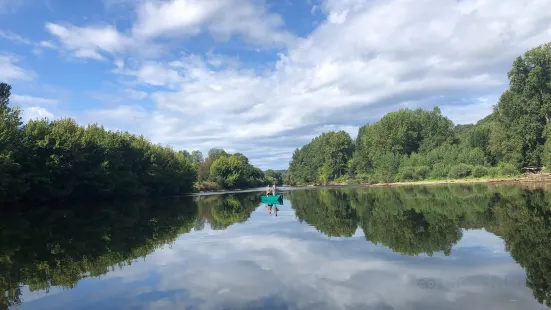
x=410 y=145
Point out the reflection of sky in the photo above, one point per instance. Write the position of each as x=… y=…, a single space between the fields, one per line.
x=274 y=262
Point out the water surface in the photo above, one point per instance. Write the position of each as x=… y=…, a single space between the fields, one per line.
x=438 y=247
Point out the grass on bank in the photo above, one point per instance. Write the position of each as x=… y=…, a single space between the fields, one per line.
x=423 y=175
x=434 y=181
x=207 y=186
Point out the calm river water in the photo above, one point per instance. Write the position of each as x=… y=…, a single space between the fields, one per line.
x=438 y=247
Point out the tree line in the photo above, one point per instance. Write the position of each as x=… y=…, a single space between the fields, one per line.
x=416 y=220
x=229 y=171
x=410 y=145
x=44 y=160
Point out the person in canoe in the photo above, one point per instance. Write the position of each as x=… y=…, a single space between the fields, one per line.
x=268 y=190
x=274 y=189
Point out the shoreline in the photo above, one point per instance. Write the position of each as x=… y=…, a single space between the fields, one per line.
x=426 y=182
x=516 y=179
x=441 y=182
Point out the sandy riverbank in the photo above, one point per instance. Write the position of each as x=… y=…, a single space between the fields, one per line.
x=505 y=180
x=437 y=182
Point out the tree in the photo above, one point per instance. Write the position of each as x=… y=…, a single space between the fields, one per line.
x=48 y=160
x=324 y=159
x=235 y=172
x=215 y=153
x=273 y=177
x=525 y=108
x=197 y=157
x=10 y=121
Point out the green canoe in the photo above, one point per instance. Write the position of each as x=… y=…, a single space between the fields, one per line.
x=272 y=199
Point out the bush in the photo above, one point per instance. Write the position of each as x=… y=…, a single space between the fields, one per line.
x=471 y=156
x=460 y=171
x=506 y=169
x=480 y=171
x=493 y=172
x=373 y=179
x=440 y=171
x=208 y=186
x=421 y=172
x=408 y=174
x=341 y=180
x=362 y=178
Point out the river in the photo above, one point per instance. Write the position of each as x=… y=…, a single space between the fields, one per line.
x=473 y=246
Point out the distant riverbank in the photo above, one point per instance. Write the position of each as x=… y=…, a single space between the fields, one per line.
x=424 y=182
x=451 y=181
x=282 y=188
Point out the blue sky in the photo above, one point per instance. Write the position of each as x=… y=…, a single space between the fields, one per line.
x=260 y=77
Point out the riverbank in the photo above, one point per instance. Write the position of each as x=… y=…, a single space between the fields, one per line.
x=531 y=182
x=450 y=181
x=423 y=182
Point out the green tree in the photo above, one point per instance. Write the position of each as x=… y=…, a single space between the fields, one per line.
x=524 y=109
x=197 y=157
x=48 y=160
x=273 y=177
x=10 y=121
x=235 y=171
x=324 y=159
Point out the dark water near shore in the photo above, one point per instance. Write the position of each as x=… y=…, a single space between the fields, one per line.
x=438 y=247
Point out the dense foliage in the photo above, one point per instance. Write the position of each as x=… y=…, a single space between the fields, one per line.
x=46 y=160
x=417 y=220
x=410 y=145
x=326 y=158
x=273 y=177
x=230 y=171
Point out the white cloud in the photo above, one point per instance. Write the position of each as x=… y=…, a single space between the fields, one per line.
x=183 y=16
x=33 y=113
x=152 y=73
x=8 y=35
x=9 y=71
x=136 y=94
x=37 y=46
x=31 y=100
x=368 y=58
x=359 y=65
x=174 y=19
x=90 y=42
x=118 y=115
x=223 y=18
x=48 y=44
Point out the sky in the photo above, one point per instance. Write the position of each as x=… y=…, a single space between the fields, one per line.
x=260 y=77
